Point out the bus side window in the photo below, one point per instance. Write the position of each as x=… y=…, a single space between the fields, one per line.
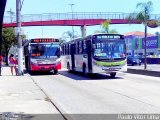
x=84 y=47
x=62 y=50
x=69 y=51
x=80 y=47
x=65 y=49
x=77 y=48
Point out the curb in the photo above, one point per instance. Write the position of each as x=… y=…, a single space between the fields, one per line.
x=144 y=72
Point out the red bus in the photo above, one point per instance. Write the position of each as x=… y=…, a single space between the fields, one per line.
x=42 y=54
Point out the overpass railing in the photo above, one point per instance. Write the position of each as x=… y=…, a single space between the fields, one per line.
x=71 y=16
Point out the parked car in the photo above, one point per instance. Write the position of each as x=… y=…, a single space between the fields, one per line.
x=133 y=61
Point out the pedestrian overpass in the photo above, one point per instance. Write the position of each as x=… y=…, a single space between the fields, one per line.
x=71 y=19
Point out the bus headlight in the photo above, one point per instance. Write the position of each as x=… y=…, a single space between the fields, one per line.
x=33 y=61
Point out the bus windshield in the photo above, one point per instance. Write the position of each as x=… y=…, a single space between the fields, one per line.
x=109 y=49
x=45 y=50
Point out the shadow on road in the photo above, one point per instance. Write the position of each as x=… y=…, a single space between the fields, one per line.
x=79 y=76
x=40 y=73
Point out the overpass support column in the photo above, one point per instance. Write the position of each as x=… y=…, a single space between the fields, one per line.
x=83 y=30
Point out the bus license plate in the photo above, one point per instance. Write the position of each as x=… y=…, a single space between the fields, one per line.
x=111 y=69
x=108 y=69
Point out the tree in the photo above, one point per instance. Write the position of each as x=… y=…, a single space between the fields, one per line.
x=69 y=35
x=105 y=26
x=143 y=16
x=112 y=31
x=9 y=38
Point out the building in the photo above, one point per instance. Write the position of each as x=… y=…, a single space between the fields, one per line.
x=135 y=43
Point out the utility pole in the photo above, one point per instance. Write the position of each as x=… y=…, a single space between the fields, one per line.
x=145 y=40
x=19 y=40
x=11 y=13
x=72 y=19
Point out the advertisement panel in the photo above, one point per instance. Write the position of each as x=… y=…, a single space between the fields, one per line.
x=152 y=42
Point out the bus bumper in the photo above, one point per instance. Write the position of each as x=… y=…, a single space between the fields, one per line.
x=101 y=69
x=46 y=67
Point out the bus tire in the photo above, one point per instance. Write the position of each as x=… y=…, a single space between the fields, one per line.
x=30 y=72
x=113 y=74
x=84 y=70
x=55 y=71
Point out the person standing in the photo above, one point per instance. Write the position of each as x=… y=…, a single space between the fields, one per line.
x=1 y=61
x=12 y=63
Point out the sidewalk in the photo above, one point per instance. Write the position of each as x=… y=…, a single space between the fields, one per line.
x=19 y=94
x=152 y=70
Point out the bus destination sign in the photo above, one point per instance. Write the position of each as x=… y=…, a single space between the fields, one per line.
x=44 y=40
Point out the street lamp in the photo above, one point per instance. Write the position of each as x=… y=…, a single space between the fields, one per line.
x=72 y=19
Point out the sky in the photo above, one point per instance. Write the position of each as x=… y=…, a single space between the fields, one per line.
x=62 y=6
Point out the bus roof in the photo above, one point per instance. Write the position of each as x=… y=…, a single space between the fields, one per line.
x=96 y=34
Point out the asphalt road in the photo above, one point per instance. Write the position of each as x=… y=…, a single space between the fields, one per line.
x=100 y=94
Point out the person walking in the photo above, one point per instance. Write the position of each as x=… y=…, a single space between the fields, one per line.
x=1 y=61
x=12 y=63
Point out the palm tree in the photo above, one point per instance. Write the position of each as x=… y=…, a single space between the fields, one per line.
x=70 y=35
x=112 y=31
x=144 y=16
x=105 y=26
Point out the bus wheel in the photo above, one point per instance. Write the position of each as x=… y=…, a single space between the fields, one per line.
x=55 y=71
x=113 y=74
x=84 y=70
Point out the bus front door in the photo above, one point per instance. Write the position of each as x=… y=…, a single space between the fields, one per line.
x=72 y=55
x=89 y=52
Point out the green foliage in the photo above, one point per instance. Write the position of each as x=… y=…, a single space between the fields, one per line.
x=69 y=35
x=23 y=36
x=9 y=37
x=113 y=31
x=143 y=14
x=105 y=26
x=99 y=31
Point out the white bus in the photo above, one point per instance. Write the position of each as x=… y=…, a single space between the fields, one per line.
x=98 y=53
